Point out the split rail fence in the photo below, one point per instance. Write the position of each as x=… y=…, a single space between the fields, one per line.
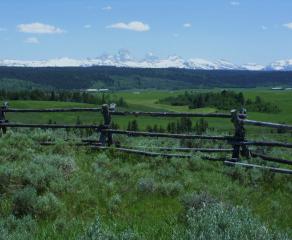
x=238 y=142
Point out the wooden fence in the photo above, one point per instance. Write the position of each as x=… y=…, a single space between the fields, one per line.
x=239 y=143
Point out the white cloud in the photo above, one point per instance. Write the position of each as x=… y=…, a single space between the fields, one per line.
x=3 y=29
x=87 y=26
x=187 y=25
x=264 y=27
x=107 y=8
x=176 y=35
x=133 y=26
x=39 y=28
x=288 y=25
x=32 y=40
x=235 y=3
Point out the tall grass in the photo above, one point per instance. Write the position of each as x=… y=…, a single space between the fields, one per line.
x=65 y=192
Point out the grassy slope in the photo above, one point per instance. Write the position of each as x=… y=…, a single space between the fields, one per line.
x=282 y=98
x=146 y=101
x=44 y=117
x=102 y=179
x=16 y=84
x=138 y=193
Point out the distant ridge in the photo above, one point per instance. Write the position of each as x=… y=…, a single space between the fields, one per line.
x=124 y=59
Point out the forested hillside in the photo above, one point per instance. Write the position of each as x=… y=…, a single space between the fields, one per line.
x=224 y=100
x=129 y=78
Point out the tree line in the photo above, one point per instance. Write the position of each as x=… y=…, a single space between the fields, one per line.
x=224 y=100
x=182 y=125
x=129 y=78
x=63 y=96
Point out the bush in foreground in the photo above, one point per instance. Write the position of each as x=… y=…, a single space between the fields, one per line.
x=208 y=219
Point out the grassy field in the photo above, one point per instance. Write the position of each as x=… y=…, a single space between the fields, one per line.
x=147 y=101
x=64 y=192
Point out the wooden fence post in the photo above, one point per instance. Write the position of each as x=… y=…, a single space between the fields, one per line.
x=2 y=116
x=239 y=135
x=106 y=137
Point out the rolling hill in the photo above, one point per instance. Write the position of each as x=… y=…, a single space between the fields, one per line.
x=121 y=78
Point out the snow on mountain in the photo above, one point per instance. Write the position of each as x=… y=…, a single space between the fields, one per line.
x=281 y=65
x=170 y=62
x=203 y=64
x=124 y=59
x=253 y=67
x=60 y=62
x=225 y=65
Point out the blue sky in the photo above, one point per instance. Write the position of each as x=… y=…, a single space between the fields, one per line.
x=239 y=31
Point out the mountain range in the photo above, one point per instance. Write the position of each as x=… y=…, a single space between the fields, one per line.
x=124 y=59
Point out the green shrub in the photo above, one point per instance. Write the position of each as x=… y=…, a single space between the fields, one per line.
x=216 y=221
x=252 y=177
x=195 y=163
x=48 y=206
x=207 y=218
x=197 y=201
x=16 y=147
x=146 y=185
x=65 y=164
x=114 y=202
x=102 y=162
x=124 y=172
x=170 y=188
x=12 y=228
x=60 y=225
x=40 y=175
x=5 y=177
x=24 y=201
x=129 y=235
x=43 y=135
x=167 y=172
x=95 y=232
x=48 y=172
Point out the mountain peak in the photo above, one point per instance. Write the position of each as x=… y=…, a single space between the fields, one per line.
x=124 y=59
x=280 y=65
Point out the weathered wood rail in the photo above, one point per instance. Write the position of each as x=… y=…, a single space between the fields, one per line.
x=247 y=165
x=166 y=135
x=267 y=124
x=50 y=110
x=240 y=145
x=29 y=125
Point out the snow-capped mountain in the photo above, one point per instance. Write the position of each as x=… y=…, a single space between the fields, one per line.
x=253 y=67
x=281 y=65
x=203 y=64
x=124 y=59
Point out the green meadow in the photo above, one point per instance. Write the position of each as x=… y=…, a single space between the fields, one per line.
x=147 y=101
x=65 y=192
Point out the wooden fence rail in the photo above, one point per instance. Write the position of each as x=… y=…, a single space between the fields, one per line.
x=51 y=110
x=267 y=124
x=264 y=144
x=271 y=159
x=116 y=113
x=172 y=114
x=155 y=154
x=238 y=141
x=29 y=125
x=184 y=149
x=166 y=135
x=247 y=165
x=87 y=142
